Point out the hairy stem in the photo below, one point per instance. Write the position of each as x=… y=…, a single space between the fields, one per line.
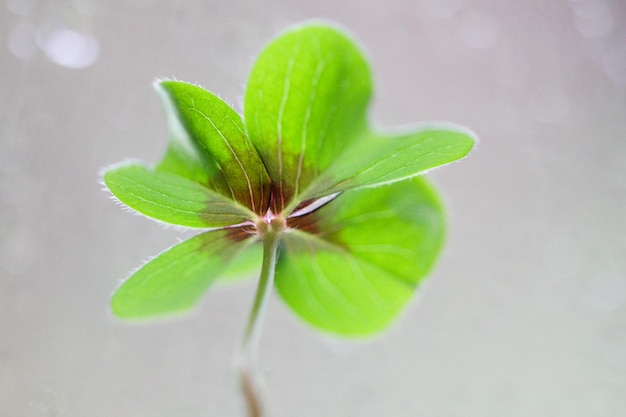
x=248 y=367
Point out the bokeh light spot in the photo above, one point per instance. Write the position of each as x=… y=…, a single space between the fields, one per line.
x=70 y=49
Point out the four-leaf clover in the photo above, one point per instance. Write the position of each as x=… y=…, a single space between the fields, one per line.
x=339 y=208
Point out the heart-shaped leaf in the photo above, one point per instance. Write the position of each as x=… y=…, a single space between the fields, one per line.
x=305 y=102
x=382 y=159
x=351 y=267
x=175 y=280
x=171 y=198
x=220 y=134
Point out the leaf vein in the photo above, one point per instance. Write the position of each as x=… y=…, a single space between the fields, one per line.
x=234 y=154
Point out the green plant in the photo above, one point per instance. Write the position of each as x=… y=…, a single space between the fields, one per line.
x=298 y=175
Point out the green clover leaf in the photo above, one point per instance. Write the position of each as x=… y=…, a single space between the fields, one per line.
x=300 y=174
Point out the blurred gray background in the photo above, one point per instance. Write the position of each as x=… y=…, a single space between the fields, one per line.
x=525 y=314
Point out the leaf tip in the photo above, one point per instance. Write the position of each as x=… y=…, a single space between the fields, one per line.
x=105 y=171
x=156 y=84
x=464 y=134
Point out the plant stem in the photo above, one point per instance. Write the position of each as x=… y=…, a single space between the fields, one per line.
x=248 y=367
